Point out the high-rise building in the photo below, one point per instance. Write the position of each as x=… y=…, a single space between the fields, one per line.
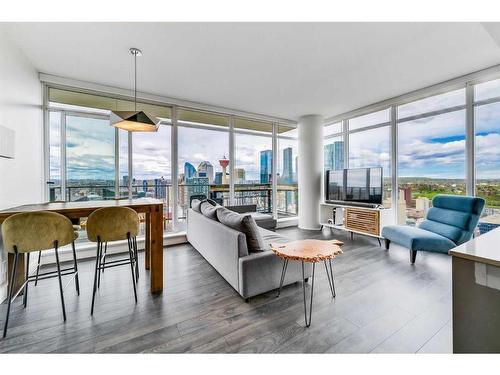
x=334 y=156
x=206 y=169
x=224 y=163
x=239 y=175
x=189 y=170
x=218 y=178
x=287 y=176
x=266 y=166
x=423 y=204
x=160 y=188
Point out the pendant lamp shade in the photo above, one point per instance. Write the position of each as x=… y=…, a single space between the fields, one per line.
x=134 y=121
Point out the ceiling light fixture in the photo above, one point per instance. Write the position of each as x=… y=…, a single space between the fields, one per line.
x=134 y=121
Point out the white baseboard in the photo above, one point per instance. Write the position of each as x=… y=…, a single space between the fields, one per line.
x=287 y=222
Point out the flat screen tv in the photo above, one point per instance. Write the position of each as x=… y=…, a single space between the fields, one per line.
x=360 y=185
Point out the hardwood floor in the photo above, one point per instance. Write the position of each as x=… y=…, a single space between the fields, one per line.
x=383 y=305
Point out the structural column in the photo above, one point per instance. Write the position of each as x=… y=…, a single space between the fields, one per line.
x=310 y=170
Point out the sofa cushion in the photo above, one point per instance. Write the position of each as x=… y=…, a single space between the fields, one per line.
x=196 y=205
x=245 y=224
x=208 y=210
x=264 y=220
x=270 y=237
x=417 y=238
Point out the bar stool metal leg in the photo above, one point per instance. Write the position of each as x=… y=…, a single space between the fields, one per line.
x=130 y=254
x=283 y=273
x=11 y=290
x=104 y=258
x=26 y=283
x=102 y=263
x=60 y=280
x=99 y=247
x=136 y=252
x=308 y=322
x=75 y=268
x=38 y=267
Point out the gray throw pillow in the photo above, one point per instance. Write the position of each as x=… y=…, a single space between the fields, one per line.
x=208 y=210
x=195 y=205
x=245 y=224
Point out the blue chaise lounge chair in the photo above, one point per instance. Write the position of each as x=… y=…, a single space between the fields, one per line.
x=450 y=222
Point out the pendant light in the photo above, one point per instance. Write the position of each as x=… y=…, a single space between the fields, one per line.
x=134 y=121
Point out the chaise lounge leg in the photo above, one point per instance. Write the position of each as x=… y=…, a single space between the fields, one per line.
x=413 y=256
x=387 y=243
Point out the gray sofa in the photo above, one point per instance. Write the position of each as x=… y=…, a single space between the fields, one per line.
x=250 y=274
x=265 y=221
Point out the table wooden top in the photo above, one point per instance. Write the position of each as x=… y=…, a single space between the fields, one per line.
x=78 y=207
x=308 y=250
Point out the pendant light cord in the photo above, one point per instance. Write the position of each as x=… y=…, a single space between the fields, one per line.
x=135 y=81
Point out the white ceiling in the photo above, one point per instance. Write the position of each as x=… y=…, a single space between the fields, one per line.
x=277 y=69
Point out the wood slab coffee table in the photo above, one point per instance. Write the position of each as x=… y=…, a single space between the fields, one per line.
x=311 y=251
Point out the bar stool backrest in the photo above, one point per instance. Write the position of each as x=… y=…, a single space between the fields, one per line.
x=112 y=224
x=34 y=231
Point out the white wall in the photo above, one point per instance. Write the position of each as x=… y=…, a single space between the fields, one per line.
x=21 y=178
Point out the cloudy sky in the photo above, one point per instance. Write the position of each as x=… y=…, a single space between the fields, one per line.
x=428 y=147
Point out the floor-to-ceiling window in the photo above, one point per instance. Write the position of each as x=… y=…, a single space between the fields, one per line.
x=334 y=152
x=203 y=158
x=487 y=151
x=431 y=152
x=253 y=168
x=55 y=157
x=287 y=173
x=151 y=169
x=370 y=147
x=90 y=158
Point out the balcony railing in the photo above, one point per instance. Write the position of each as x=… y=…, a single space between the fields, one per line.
x=258 y=194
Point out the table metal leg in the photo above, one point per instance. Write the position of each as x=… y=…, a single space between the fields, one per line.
x=283 y=273
x=308 y=322
x=330 y=279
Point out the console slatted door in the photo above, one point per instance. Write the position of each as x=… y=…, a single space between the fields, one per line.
x=360 y=220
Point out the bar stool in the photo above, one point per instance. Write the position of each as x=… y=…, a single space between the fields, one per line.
x=25 y=233
x=109 y=224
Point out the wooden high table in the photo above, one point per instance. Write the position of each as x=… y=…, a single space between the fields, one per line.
x=153 y=208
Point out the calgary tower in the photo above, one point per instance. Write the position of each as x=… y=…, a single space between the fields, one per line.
x=224 y=163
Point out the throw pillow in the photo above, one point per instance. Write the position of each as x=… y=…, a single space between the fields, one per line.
x=245 y=224
x=208 y=210
x=195 y=205
x=212 y=202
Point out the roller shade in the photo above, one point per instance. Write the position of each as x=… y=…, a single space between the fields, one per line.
x=287 y=131
x=104 y=102
x=200 y=117
x=249 y=124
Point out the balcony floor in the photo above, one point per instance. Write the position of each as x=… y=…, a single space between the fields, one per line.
x=383 y=304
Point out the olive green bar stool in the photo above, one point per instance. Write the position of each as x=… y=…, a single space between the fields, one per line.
x=36 y=231
x=110 y=224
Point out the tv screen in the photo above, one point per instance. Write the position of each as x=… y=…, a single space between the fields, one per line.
x=335 y=188
x=362 y=185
